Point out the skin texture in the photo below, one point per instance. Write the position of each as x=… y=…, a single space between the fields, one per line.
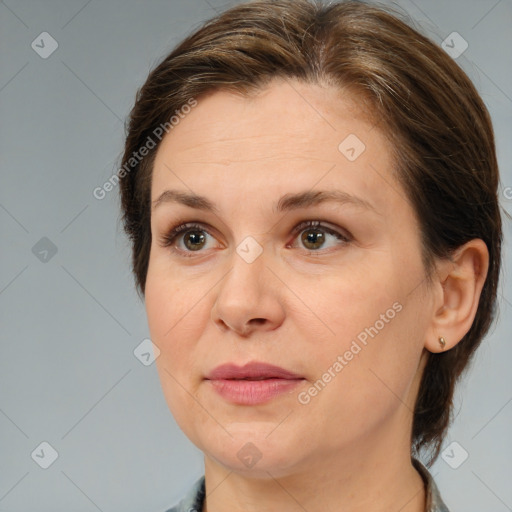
x=299 y=308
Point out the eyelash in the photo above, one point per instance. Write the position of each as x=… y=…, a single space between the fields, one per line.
x=168 y=239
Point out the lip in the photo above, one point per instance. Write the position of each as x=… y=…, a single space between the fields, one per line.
x=252 y=384
x=254 y=370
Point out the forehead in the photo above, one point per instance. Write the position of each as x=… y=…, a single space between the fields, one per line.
x=286 y=110
x=290 y=134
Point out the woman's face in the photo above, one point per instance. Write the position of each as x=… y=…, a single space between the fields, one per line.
x=300 y=250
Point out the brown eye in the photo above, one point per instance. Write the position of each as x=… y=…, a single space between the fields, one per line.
x=194 y=240
x=313 y=238
x=188 y=238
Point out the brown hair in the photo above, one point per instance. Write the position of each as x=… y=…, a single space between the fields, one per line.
x=438 y=125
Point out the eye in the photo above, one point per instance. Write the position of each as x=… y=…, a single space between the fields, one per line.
x=188 y=237
x=313 y=235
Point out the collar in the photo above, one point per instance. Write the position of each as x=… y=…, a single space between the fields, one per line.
x=434 y=501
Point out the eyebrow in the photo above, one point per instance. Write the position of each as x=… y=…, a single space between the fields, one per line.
x=286 y=203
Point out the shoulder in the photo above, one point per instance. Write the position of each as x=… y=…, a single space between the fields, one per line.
x=193 y=500
x=434 y=502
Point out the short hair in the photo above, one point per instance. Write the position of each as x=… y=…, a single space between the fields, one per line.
x=439 y=130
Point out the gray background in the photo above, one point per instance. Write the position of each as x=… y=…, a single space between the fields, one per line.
x=69 y=325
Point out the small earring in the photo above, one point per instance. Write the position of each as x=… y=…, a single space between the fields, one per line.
x=442 y=342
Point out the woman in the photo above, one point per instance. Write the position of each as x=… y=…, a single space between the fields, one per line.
x=311 y=195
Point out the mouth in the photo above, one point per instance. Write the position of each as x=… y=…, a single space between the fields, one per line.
x=252 y=384
x=251 y=371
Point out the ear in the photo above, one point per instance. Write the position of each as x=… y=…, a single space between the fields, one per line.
x=458 y=284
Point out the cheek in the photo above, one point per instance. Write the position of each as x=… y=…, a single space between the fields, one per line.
x=371 y=340
x=349 y=301
x=172 y=320
x=372 y=380
x=169 y=308
x=170 y=298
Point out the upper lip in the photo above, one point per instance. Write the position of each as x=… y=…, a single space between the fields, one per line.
x=253 y=370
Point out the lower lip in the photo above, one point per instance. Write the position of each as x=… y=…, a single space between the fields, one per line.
x=253 y=392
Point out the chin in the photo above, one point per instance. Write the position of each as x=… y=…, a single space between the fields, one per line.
x=252 y=452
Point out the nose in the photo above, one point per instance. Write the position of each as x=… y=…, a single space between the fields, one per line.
x=249 y=298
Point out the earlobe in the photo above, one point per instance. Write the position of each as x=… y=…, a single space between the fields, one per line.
x=459 y=281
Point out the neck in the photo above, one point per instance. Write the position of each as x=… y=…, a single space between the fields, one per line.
x=375 y=475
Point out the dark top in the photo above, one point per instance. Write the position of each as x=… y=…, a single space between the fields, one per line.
x=193 y=501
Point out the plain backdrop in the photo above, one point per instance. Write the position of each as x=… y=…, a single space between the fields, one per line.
x=70 y=319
